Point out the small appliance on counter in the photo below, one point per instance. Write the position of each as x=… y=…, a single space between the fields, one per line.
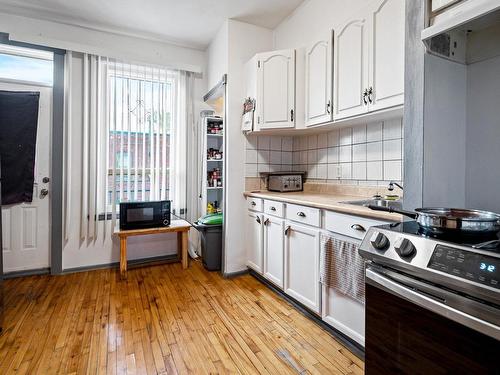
x=285 y=181
x=140 y=215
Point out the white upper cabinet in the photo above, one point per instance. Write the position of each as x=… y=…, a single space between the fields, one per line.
x=369 y=60
x=276 y=90
x=387 y=53
x=351 y=68
x=319 y=83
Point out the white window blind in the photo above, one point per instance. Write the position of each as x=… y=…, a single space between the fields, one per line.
x=134 y=138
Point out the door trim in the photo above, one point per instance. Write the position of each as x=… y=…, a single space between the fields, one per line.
x=56 y=164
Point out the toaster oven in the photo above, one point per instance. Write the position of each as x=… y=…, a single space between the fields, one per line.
x=285 y=181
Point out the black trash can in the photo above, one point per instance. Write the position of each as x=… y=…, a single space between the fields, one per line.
x=211 y=245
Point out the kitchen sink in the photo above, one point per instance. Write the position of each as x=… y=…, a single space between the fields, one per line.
x=397 y=204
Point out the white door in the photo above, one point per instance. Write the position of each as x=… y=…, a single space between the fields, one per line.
x=25 y=226
x=387 y=54
x=253 y=241
x=273 y=250
x=319 y=67
x=276 y=90
x=302 y=265
x=351 y=69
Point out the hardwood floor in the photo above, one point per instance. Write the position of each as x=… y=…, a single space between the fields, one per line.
x=161 y=320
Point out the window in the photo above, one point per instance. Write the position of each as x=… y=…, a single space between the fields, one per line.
x=141 y=102
x=26 y=65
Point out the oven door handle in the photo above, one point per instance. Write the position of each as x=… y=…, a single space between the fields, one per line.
x=428 y=301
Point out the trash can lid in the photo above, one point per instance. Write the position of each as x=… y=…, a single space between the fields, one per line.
x=211 y=219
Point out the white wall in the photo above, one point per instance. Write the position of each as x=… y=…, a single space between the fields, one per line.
x=483 y=135
x=105 y=250
x=444 y=133
x=244 y=41
x=217 y=56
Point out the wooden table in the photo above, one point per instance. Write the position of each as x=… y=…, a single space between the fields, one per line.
x=181 y=227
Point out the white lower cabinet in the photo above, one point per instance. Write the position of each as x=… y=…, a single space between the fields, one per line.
x=253 y=241
x=302 y=265
x=344 y=314
x=273 y=250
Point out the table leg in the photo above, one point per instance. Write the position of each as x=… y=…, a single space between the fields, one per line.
x=179 y=246
x=185 y=249
x=123 y=257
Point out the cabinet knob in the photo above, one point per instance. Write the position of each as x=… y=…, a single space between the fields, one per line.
x=253 y=204
x=301 y=214
x=272 y=208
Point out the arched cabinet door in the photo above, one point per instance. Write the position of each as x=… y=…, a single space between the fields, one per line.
x=351 y=68
x=276 y=90
x=387 y=54
x=319 y=83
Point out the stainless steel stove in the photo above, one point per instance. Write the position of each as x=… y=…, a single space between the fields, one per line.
x=428 y=295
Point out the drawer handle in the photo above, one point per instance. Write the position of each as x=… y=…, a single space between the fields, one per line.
x=257 y=219
x=253 y=204
x=358 y=227
x=266 y=221
x=272 y=208
x=301 y=214
x=287 y=230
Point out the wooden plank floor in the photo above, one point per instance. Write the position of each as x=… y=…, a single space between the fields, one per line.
x=162 y=320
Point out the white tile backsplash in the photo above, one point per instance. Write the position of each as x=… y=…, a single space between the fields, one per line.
x=345 y=136
x=345 y=154
x=369 y=154
x=333 y=138
x=359 y=152
x=359 y=134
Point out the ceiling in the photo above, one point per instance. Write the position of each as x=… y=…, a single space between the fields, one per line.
x=187 y=22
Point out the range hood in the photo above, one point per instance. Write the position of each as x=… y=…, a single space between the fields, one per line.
x=450 y=29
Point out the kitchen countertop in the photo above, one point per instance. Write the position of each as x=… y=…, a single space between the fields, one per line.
x=331 y=202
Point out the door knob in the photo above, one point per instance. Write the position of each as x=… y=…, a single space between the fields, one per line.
x=44 y=193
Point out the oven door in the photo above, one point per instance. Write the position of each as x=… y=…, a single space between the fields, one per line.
x=412 y=329
x=140 y=215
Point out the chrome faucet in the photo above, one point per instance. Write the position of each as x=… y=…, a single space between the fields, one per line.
x=391 y=186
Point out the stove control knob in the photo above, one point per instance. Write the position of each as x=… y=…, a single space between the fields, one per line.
x=404 y=248
x=379 y=241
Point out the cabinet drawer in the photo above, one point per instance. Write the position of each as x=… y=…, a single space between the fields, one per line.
x=273 y=208
x=254 y=204
x=305 y=215
x=349 y=225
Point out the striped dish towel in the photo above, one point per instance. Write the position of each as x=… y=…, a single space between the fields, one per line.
x=342 y=268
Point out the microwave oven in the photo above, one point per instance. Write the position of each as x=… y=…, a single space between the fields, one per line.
x=140 y=215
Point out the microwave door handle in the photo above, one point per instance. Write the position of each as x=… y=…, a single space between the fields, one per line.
x=427 y=302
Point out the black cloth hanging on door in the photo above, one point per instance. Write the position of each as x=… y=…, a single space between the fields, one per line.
x=18 y=125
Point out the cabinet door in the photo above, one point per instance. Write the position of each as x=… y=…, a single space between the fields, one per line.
x=253 y=241
x=276 y=90
x=387 y=44
x=319 y=67
x=351 y=69
x=273 y=250
x=302 y=265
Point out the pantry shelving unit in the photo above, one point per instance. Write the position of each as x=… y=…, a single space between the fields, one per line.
x=213 y=163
